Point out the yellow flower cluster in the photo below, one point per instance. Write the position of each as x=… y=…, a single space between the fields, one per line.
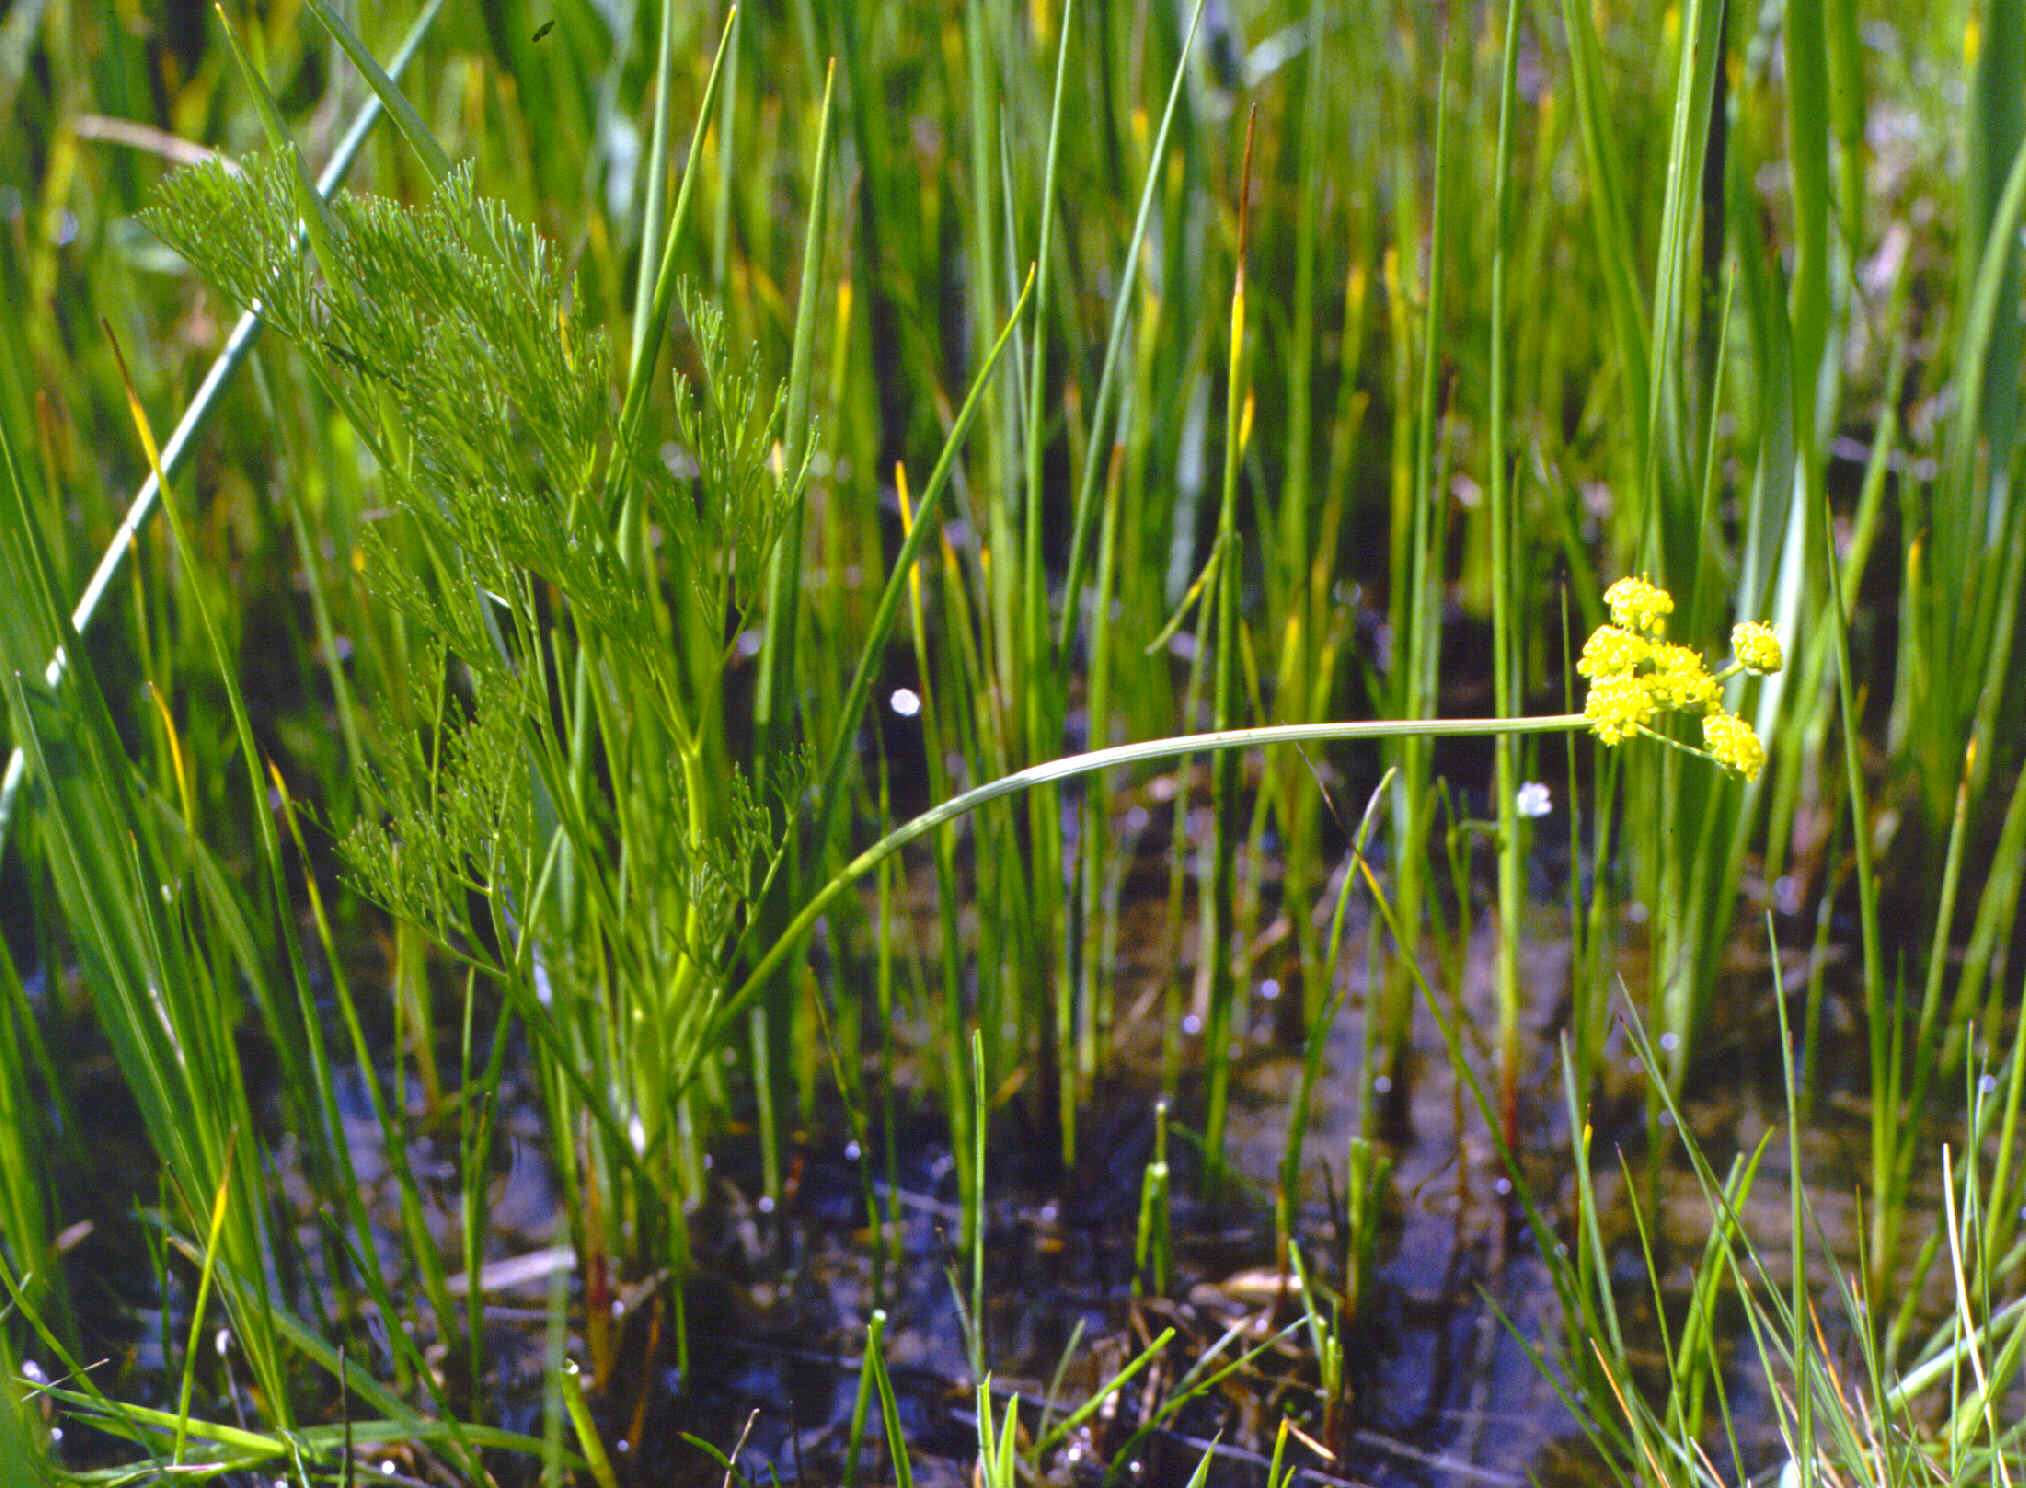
x=1755 y=646
x=1733 y=743
x=1636 y=675
x=1639 y=605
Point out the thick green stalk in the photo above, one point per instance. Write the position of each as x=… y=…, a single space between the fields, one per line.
x=774 y=707
x=1505 y=663
x=1041 y=702
x=657 y=181
x=1217 y=947
x=991 y=235
x=1417 y=609
x=950 y=942
x=776 y=701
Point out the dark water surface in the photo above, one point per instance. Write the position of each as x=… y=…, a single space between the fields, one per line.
x=1444 y=1383
x=1445 y=1380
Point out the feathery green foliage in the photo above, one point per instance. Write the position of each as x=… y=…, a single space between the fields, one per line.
x=448 y=336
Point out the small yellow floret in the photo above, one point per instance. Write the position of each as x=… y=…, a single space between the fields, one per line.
x=1755 y=646
x=1636 y=604
x=1734 y=744
x=1680 y=681
x=1617 y=707
x=1611 y=652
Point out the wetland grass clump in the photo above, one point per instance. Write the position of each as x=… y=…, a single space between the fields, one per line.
x=497 y=703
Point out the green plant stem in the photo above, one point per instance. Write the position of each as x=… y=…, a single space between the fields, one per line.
x=1071 y=766
x=1505 y=663
x=640 y=376
x=1086 y=493
x=1218 y=901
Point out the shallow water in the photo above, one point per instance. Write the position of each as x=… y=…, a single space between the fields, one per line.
x=1444 y=1385
x=1444 y=1388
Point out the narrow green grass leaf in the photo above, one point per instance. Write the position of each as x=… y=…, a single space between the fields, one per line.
x=1036 y=418
x=192 y=1348
x=316 y=212
x=651 y=205
x=889 y=1412
x=1611 y=228
x=420 y=140
x=861 y=1406
x=1122 y=308
x=1671 y=487
x=139 y=1424
x=647 y=348
x=775 y=706
x=1504 y=526
x=200 y=411
x=588 y=1442
x=1126 y=1374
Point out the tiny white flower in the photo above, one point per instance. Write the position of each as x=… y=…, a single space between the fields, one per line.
x=1533 y=799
